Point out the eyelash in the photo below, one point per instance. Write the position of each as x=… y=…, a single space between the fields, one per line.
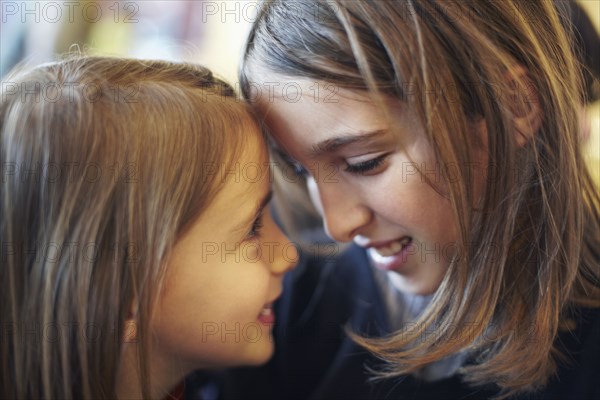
x=257 y=225
x=366 y=166
x=358 y=169
x=299 y=170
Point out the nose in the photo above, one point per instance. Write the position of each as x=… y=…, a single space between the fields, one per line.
x=343 y=213
x=285 y=257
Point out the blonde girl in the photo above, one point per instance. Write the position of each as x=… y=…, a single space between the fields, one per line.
x=131 y=242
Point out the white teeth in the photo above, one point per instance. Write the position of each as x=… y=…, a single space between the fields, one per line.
x=391 y=248
x=266 y=311
x=377 y=258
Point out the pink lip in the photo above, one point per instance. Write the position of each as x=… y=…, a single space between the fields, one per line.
x=267 y=319
x=395 y=262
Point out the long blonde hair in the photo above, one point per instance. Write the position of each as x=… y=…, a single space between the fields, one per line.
x=529 y=253
x=106 y=162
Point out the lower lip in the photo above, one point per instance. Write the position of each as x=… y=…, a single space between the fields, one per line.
x=391 y=263
x=268 y=319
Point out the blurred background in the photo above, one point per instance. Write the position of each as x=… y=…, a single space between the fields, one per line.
x=207 y=32
x=211 y=33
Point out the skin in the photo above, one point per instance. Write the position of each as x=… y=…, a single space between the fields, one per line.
x=386 y=203
x=219 y=278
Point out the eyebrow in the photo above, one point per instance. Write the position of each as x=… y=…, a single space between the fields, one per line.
x=334 y=144
x=261 y=206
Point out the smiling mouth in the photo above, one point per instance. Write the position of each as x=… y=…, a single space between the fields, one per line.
x=391 y=248
x=267 y=316
x=267 y=309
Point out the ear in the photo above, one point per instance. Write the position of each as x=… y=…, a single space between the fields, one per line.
x=130 y=328
x=524 y=104
x=130 y=325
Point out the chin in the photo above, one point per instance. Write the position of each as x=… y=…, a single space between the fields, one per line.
x=260 y=353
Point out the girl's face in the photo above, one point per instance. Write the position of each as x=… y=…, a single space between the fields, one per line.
x=224 y=275
x=365 y=182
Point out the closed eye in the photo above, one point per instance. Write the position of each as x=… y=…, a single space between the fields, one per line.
x=254 y=233
x=257 y=225
x=363 y=168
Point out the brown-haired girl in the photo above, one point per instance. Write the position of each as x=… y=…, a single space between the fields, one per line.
x=135 y=242
x=441 y=137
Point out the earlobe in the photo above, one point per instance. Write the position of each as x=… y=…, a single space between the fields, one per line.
x=130 y=325
x=527 y=115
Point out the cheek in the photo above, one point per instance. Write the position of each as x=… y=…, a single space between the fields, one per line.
x=202 y=306
x=215 y=291
x=400 y=194
x=407 y=199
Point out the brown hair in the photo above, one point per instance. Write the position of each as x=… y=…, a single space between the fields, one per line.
x=106 y=162
x=529 y=251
